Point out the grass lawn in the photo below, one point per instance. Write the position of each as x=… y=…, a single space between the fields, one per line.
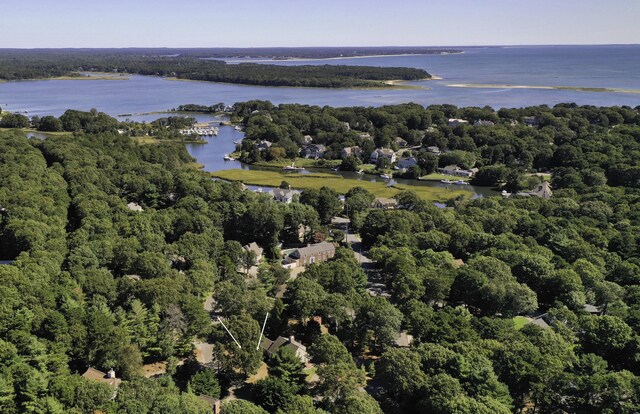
x=338 y=183
x=438 y=177
x=520 y=322
x=311 y=373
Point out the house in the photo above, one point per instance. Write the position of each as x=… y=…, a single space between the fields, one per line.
x=542 y=190
x=282 y=195
x=456 y=171
x=314 y=151
x=403 y=340
x=592 y=309
x=530 y=121
x=347 y=127
x=135 y=207
x=406 y=163
x=307 y=139
x=313 y=253
x=434 y=150
x=540 y=319
x=264 y=145
x=454 y=122
x=99 y=376
x=340 y=222
x=482 y=122
x=401 y=143
x=253 y=247
x=364 y=136
x=383 y=152
x=272 y=347
x=351 y=152
x=385 y=203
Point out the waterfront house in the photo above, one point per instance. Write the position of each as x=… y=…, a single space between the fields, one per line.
x=383 y=152
x=307 y=139
x=457 y=171
x=482 y=122
x=313 y=253
x=253 y=247
x=530 y=121
x=383 y=203
x=454 y=122
x=351 y=152
x=282 y=195
x=542 y=190
x=314 y=151
x=264 y=145
x=406 y=163
x=272 y=347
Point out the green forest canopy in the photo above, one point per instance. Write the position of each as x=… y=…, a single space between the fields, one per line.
x=94 y=283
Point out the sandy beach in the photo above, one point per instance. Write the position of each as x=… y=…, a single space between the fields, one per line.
x=559 y=88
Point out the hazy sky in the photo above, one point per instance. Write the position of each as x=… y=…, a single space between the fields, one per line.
x=246 y=23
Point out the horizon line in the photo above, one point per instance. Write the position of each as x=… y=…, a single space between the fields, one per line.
x=318 y=47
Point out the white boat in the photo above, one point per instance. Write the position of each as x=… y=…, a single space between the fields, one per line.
x=360 y=172
x=238 y=142
x=237 y=128
x=335 y=169
x=228 y=157
x=385 y=176
x=446 y=181
x=292 y=167
x=461 y=182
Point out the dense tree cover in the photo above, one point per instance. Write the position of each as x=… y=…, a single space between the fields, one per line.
x=16 y=65
x=583 y=145
x=97 y=284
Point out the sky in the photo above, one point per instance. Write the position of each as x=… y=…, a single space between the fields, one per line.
x=264 y=23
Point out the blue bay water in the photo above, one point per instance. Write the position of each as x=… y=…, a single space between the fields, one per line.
x=577 y=66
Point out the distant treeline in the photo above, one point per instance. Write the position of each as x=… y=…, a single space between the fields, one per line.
x=42 y=64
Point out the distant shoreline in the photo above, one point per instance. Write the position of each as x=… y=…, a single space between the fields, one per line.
x=237 y=61
x=558 y=88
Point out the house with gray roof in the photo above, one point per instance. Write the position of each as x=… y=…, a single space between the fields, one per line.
x=272 y=347
x=282 y=195
x=253 y=247
x=542 y=190
x=313 y=253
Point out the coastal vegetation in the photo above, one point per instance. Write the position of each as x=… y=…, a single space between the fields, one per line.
x=116 y=255
x=44 y=64
x=507 y=147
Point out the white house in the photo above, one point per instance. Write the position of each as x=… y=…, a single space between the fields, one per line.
x=383 y=152
x=454 y=122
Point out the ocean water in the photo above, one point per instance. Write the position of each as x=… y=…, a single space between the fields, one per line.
x=573 y=66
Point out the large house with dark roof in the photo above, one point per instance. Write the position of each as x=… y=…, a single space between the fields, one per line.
x=272 y=347
x=313 y=253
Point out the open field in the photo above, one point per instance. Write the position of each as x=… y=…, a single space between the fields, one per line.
x=300 y=162
x=438 y=177
x=340 y=184
x=35 y=131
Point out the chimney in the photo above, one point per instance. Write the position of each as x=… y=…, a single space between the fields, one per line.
x=292 y=338
x=111 y=373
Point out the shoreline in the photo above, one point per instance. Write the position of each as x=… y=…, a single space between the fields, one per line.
x=392 y=86
x=235 y=61
x=542 y=87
